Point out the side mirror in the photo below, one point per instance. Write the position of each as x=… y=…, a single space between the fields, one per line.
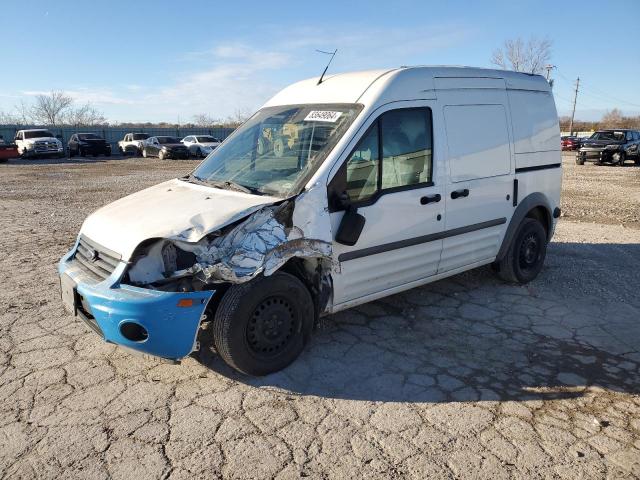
x=350 y=227
x=352 y=222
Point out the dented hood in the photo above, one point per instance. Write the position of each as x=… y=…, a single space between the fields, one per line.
x=173 y=209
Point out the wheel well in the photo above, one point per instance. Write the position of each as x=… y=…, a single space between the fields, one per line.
x=542 y=215
x=311 y=272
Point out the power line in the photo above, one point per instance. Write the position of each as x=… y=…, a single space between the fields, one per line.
x=593 y=92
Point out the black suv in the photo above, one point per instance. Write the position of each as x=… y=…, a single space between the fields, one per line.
x=84 y=144
x=611 y=146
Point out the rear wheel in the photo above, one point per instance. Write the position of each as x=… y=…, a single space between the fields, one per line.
x=525 y=257
x=261 y=326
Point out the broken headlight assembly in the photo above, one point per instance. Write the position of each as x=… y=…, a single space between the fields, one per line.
x=156 y=263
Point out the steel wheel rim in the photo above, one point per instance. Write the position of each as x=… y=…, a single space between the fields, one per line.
x=529 y=252
x=272 y=327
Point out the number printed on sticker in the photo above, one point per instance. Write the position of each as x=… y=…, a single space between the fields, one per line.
x=322 y=116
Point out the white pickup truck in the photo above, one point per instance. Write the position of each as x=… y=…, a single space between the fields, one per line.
x=132 y=143
x=38 y=142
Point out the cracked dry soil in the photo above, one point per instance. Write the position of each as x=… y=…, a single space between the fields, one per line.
x=463 y=378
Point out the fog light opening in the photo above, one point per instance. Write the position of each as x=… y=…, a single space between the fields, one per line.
x=134 y=332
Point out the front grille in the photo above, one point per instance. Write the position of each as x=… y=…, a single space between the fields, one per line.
x=46 y=147
x=94 y=259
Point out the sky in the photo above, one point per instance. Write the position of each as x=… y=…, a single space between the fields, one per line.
x=168 y=61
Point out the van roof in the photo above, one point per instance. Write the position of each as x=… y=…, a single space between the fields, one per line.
x=373 y=86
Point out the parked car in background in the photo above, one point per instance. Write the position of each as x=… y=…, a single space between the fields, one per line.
x=38 y=143
x=610 y=146
x=7 y=150
x=84 y=144
x=200 y=145
x=570 y=143
x=132 y=143
x=164 y=147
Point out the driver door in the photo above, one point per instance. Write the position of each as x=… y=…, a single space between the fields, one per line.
x=391 y=177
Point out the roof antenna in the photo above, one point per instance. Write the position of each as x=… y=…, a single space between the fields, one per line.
x=333 y=54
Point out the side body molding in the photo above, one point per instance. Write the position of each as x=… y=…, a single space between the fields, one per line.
x=525 y=205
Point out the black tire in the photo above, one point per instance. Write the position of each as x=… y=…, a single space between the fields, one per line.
x=107 y=153
x=525 y=257
x=80 y=152
x=144 y=153
x=161 y=155
x=244 y=332
x=579 y=161
x=621 y=158
x=71 y=154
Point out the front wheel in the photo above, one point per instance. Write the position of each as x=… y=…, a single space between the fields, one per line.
x=579 y=161
x=161 y=155
x=525 y=257
x=619 y=158
x=261 y=326
x=144 y=152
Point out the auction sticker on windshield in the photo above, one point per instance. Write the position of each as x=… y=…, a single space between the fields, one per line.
x=322 y=116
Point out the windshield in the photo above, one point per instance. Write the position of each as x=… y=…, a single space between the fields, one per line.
x=615 y=136
x=168 y=140
x=278 y=149
x=88 y=136
x=38 y=134
x=140 y=136
x=207 y=139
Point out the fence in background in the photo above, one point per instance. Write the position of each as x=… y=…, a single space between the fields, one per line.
x=577 y=134
x=115 y=134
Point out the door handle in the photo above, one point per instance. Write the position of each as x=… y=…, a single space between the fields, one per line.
x=430 y=199
x=460 y=193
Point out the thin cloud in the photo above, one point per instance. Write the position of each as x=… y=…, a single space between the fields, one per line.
x=234 y=75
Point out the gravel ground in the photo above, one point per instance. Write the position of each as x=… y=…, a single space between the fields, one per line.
x=464 y=378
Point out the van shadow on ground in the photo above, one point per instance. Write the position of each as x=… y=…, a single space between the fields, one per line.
x=472 y=338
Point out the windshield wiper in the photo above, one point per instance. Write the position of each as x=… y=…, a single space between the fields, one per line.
x=222 y=184
x=229 y=185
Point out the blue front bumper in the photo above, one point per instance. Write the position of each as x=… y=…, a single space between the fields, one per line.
x=171 y=329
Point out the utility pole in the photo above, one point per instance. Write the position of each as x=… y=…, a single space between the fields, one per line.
x=549 y=68
x=575 y=98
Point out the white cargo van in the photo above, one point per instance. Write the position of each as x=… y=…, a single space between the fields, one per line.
x=333 y=194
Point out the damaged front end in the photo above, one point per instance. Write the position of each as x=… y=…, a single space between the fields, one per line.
x=155 y=302
x=260 y=244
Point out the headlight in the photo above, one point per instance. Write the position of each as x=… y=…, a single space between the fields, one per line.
x=164 y=148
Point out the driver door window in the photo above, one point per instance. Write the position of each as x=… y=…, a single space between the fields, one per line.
x=395 y=154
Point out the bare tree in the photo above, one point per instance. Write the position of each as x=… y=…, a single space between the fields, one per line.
x=50 y=109
x=7 y=118
x=23 y=115
x=614 y=119
x=204 y=120
x=237 y=118
x=84 y=115
x=521 y=56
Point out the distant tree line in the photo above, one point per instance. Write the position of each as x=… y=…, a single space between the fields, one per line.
x=58 y=109
x=611 y=119
x=55 y=108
